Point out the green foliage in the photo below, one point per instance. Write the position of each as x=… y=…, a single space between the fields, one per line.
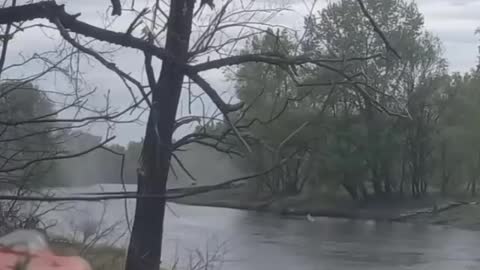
x=347 y=141
x=334 y=132
x=22 y=101
x=459 y=133
x=37 y=140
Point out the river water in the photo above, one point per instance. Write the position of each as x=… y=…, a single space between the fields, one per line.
x=244 y=240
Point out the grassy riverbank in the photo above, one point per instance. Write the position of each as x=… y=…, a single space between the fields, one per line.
x=422 y=210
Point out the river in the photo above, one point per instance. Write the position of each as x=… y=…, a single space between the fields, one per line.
x=246 y=240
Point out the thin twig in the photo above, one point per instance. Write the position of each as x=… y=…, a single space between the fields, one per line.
x=182 y=166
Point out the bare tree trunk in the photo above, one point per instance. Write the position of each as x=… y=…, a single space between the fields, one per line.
x=372 y=140
x=474 y=187
x=445 y=174
x=145 y=246
x=377 y=186
x=475 y=176
x=350 y=188
x=414 y=182
x=387 y=182
x=415 y=178
x=403 y=175
x=363 y=190
x=422 y=169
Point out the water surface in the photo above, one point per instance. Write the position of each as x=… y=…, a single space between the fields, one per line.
x=245 y=240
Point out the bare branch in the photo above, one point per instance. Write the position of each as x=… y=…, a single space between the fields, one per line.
x=104 y=117
x=134 y=23
x=51 y=11
x=291 y=135
x=111 y=66
x=59 y=157
x=222 y=106
x=213 y=95
x=377 y=29
x=274 y=59
x=92 y=197
x=182 y=166
x=186 y=120
x=149 y=71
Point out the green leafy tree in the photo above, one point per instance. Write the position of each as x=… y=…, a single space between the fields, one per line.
x=281 y=116
x=393 y=84
x=459 y=135
x=21 y=145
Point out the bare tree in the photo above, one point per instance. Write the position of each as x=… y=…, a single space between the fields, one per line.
x=189 y=39
x=37 y=121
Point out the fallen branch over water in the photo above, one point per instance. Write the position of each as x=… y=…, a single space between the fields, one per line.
x=431 y=210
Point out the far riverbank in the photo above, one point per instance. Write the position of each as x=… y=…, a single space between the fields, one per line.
x=436 y=210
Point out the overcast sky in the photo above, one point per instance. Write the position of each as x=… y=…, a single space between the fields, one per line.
x=454 y=21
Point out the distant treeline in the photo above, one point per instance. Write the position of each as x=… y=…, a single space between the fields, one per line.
x=28 y=153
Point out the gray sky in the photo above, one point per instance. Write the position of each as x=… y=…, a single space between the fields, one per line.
x=454 y=21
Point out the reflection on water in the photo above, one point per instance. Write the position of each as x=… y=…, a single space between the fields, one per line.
x=263 y=241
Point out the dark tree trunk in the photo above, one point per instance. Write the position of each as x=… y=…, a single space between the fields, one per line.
x=445 y=173
x=388 y=186
x=386 y=179
x=351 y=190
x=444 y=185
x=473 y=187
x=423 y=169
x=424 y=187
x=413 y=189
x=372 y=139
x=415 y=178
x=363 y=190
x=377 y=187
x=467 y=189
x=403 y=176
x=145 y=248
x=415 y=186
x=475 y=176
